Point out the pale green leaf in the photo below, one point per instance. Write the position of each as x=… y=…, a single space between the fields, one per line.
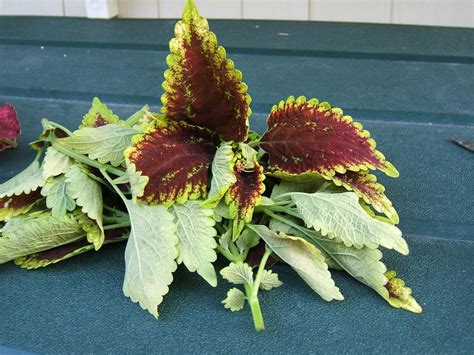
x=288 y=186
x=37 y=232
x=235 y=300
x=105 y=144
x=57 y=196
x=247 y=240
x=304 y=258
x=88 y=195
x=238 y=273
x=150 y=255
x=55 y=163
x=269 y=280
x=25 y=182
x=249 y=154
x=137 y=181
x=225 y=239
x=340 y=216
x=195 y=229
x=222 y=174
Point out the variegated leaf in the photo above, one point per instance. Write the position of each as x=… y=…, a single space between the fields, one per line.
x=307 y=139
x=201 y=86
x=175 y=157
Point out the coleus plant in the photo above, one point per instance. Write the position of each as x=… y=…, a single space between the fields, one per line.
x=194 y=181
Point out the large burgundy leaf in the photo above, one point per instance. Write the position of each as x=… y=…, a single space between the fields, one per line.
x=175 y=156
x=365 y=186
x=17 y=204
x=9 y=127
x=244 y=194
x=202 y=86
x=307 y=138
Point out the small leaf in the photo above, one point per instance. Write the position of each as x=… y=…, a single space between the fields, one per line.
x=17 y=205
x=88 y=195
x=150 y=255
x=195 y=230
x=55 y=163
x=201 y=86
x=136 y=180
x=308 y=139
x=9 y=127
x=269 y=280
x=365 y=186
x=238 y=273
x=105 y=144
x=25 y=182
x=29 y=234
x=235 y=300
x=57 y=196
x=222 y=174
x=340 y=216
x=99 y=115
x=244 y=195
x=304 y=258
x=175 y=157
x=399 y=295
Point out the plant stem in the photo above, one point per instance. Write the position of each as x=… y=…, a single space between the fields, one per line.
x=133 y=119
x=117 y=225
x=117 y=190
x=255 y=308
x=261 y=268
x=83 y=159
x=229 y=256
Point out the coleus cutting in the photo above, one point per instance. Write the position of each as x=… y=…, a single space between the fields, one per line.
x=194 y=181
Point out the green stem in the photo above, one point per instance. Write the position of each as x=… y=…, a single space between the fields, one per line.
x=133 y=119
x=117 y=225
x=229 y=256
x=8 y=142
x=83 y=159
x=117 y=190
x=261 y=268
x=286 y=210
x=114 y=210
x=254 y=308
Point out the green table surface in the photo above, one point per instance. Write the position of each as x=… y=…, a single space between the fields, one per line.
x=412 y=88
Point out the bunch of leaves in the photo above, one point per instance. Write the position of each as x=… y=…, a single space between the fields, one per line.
x=194 y=181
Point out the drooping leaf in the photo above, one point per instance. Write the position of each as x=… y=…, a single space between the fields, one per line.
x=105 y=143
x=399 y=295
x=88 y=195
x=269 y=280
x=17 y=204
x=99 y=115
x=35 y=233
x=222 y=174
x=304 y=258
x=195 y=230
x=201 y=86
x=244 y=195
x=55 y=163
x=176 y=159
x=307 y=138
x=150 y=255
x=235 y=300
x=58 y=198
x=64 y=252
x=238 y=273
x=25 y=182
x=340 y=216
x=9 y=127
x=366 y=187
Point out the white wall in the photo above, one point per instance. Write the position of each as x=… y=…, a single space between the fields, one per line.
x=422 y=12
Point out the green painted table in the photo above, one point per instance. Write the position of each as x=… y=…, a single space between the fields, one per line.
x=412 y=87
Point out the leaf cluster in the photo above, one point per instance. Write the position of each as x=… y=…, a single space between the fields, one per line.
x=194 y=181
